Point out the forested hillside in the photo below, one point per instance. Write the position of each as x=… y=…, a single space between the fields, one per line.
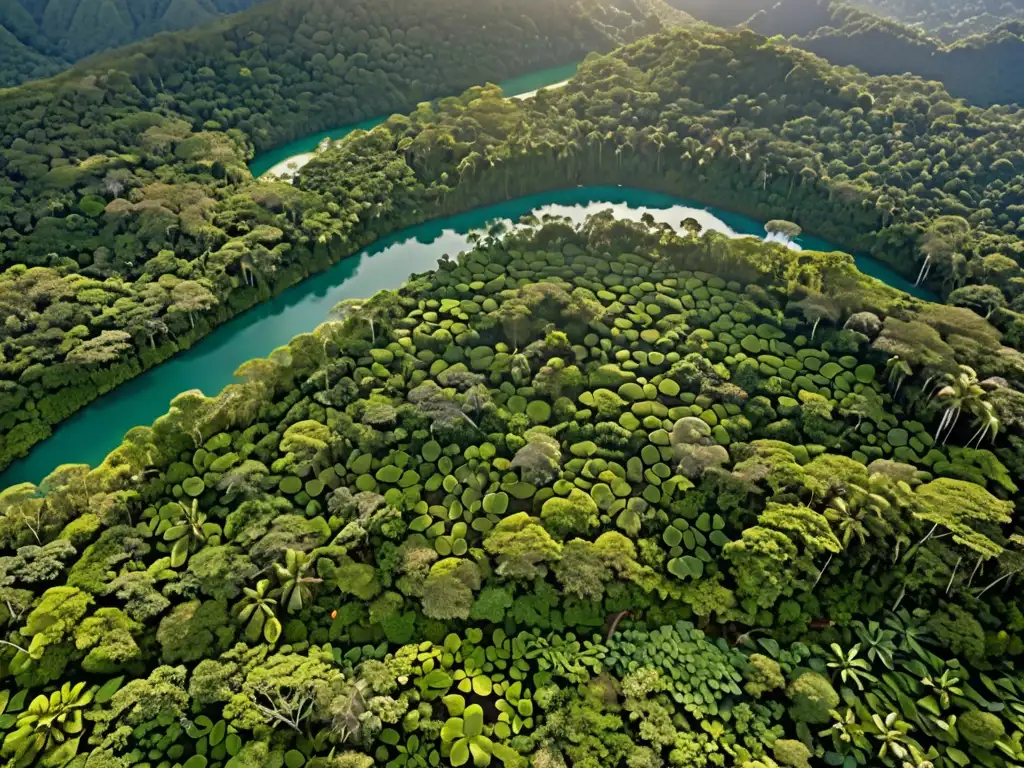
x=126 y=211
x=979 y=69
x=38 y=38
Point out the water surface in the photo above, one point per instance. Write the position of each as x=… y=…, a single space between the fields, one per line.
x=297 y=153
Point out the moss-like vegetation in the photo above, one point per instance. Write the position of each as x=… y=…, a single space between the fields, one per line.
x=540 y=506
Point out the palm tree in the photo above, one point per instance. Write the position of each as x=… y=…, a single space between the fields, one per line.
x=892 y=733
x=846 y=730
x=943 y=687
x=294 y=580
x=961 y=392
x=259 y=610
x=881 y=643
x=988 y=423
x=850 y=667
x=898 y=370
x=189 y=532
x=858 y=517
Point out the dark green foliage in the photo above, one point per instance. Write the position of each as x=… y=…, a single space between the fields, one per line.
x=543 y=592
x=126 y=189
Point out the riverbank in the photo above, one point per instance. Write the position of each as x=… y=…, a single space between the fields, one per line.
x=210 y=364
x=285 y=161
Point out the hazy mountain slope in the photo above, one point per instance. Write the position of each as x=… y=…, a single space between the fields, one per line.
x=948 y=20
x=984 y=69
x=43 y=36
x=19 y=62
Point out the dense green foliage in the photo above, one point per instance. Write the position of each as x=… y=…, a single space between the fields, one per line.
x=171 y=240
x=891 y=166
x=129 y=224
x=572 y=498
x=38 y=38
x=973 y=68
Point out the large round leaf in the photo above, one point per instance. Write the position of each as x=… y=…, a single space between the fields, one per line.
x=473 y=720
x=460 y=753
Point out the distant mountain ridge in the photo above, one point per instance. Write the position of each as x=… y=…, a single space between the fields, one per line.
x=38 y=38
x=945 y=20
x=984 y=68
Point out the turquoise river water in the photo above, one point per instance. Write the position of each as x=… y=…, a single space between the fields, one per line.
x=520 y=87
x=209 y=366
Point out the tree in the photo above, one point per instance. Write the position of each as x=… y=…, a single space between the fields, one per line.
x=983 y=299
x=140 y=704
x=108 y=636
x=782 y=230
x=295 y=580
x=917 y=346
x=759 y=560
x=585 y=568
x=522 y=546
x=190 y=297
x=961 y=392
x=539 y=461
x=817 y=307
x=22 y=513
x=377 y=310
x=448 y=591
x=691 y=226
x=194 y=630
x=439 y=407
x=575 y=514
x=310 y=441
x=286 y=689
x=258 y=610
x=108 y=347
x=969 y=512
x=812 y=697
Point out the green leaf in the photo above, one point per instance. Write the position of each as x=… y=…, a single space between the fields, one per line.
x=505 y=753
x=196 y=761
x=61 y=756
x=958 y=757
x=460 y=753
x=272 y=630
x=218 y=733
x=438 y=679
x=452 y=729
x=179 y=553
x=108 y=689
x=454 y=703
x=481 y=748
x=482 y=685
x=17 y=702
x=473 y=720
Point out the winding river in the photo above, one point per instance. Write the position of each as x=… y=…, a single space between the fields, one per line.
x=93 y=432
x=88 y=436
x=285 y=160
